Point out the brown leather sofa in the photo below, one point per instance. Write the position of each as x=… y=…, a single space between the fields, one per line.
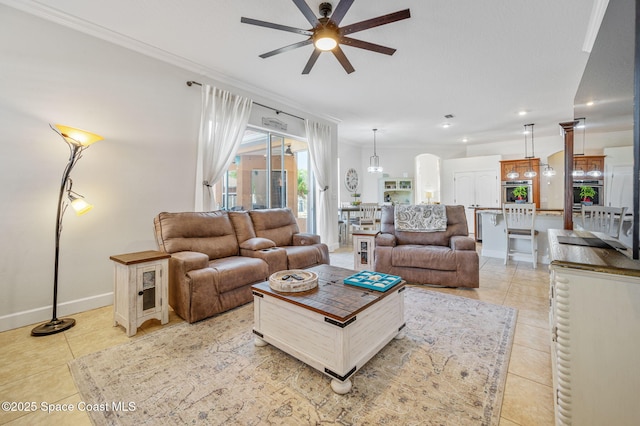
x=211 y=271
x=445 y=258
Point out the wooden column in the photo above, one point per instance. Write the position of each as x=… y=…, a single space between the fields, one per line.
x=568 y=173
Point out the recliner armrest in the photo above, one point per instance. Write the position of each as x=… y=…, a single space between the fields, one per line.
x=190 y=260
x=459 y=242
x=305 y=239
x=257 y=243
x=384 y=239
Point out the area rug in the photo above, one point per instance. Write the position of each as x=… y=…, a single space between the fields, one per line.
x=449 y=369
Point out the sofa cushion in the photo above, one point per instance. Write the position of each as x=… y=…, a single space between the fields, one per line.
x=237 y=271
x=277 y=225
x=210 y=233
x=426 y=257
x=301 y=257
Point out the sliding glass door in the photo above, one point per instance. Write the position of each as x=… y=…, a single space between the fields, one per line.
x=270 y=170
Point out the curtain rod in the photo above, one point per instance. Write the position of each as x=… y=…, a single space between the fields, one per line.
x=191 y=83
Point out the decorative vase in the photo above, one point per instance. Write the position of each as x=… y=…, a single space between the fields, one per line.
x=519 y=201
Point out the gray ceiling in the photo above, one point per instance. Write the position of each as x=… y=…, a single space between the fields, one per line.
x=482 y=61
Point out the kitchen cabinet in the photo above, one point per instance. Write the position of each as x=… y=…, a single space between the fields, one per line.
x=587 y=163
x=521 y=166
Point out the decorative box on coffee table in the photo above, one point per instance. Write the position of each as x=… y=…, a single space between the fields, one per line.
x=140 y=289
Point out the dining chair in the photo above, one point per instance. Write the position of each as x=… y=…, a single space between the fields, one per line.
x=519 y=222
x=367 y=217
x=602 y=219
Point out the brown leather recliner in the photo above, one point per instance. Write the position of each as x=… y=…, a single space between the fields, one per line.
x=445 y=258
x=207 y=273
x=274 y=235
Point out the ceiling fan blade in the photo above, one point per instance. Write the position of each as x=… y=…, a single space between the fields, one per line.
x=307 y=12
x=339 y=54
x=275 y=26
x=375 y=22
x=341 y=9
x=348 y=41
x=312 y=61
x=287 y=48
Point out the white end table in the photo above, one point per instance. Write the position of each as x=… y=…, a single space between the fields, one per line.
x=364 y=243
x=141 y=282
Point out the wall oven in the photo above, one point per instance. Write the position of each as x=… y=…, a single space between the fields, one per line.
x=509 y=185
x=598 y=187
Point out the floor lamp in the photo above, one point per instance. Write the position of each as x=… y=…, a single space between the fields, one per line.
x=77 y=140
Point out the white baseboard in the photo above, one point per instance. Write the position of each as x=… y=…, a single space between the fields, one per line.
x=43 y=314
x=333 y=247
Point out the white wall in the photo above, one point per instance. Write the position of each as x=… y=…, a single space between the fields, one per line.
x=146 y=163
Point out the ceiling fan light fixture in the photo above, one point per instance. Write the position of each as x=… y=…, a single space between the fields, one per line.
x=325 y=39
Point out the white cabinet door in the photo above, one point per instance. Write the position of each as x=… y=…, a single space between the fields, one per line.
x=475 y=189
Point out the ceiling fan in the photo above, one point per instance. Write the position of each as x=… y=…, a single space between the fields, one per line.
x=328 y=35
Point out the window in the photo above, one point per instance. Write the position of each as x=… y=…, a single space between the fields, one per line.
x=270 y=170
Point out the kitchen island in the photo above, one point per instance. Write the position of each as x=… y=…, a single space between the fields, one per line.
x=494 y=243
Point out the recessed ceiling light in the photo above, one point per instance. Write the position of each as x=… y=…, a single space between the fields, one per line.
x=465 y=140
x=446 y=125
x=590 y=103
x=522 y=112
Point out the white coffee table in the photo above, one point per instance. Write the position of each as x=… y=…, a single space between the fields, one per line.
x=335 y=328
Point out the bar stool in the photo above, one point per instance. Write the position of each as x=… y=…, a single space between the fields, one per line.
x=519 y=221
x=602 y=219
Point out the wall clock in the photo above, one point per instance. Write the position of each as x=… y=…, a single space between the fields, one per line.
x=351 y=180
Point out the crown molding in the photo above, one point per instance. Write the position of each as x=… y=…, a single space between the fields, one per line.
x=595 y=20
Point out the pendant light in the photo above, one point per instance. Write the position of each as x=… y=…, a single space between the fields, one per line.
x=374 y=161
x=530 y=172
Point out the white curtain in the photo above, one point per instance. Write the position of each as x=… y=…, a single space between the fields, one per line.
x=222 y=123
x=319 y=139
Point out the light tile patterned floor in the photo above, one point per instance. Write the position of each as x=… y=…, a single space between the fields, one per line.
x=35 y=369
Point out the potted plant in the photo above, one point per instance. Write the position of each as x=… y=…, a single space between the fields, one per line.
x=586 y=194
x=520 y=192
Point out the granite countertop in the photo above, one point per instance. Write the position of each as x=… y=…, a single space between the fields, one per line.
x=539 y=212
x=589 y=258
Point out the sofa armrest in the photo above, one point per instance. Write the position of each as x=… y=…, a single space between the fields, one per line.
x=459 y=242
x=305 y=239
x=388 y=240
x=257 y=243
x=190 y=260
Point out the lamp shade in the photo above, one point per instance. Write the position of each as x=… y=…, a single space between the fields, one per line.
x=78 y=136
x=79 y=205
